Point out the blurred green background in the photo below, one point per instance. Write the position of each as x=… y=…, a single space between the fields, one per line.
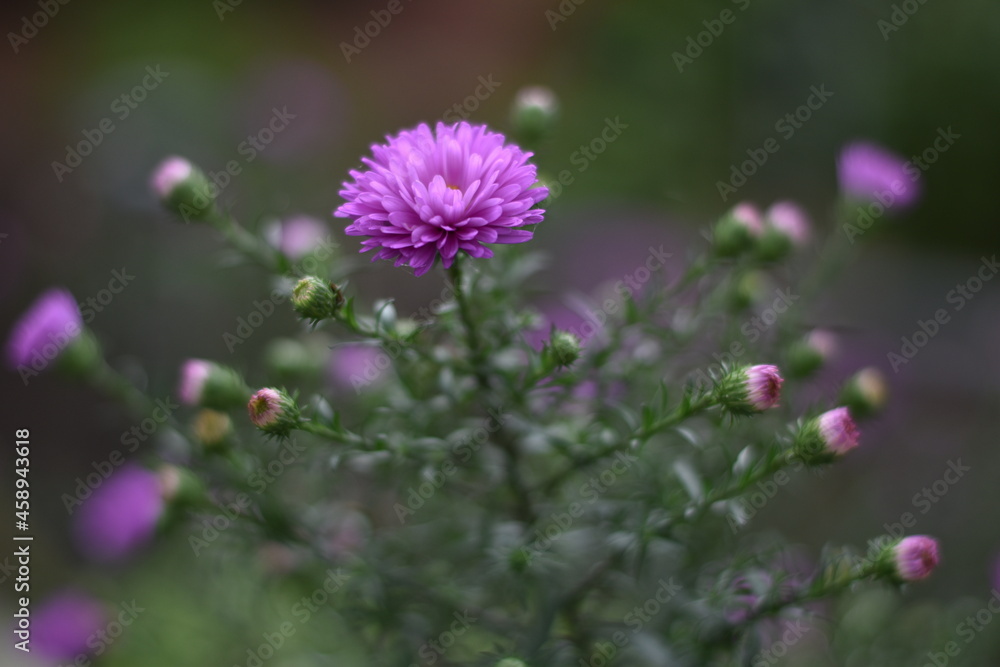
x=229 y=66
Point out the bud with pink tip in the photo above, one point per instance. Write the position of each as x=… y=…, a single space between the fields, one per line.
x=738 y=230
x=207 y=384
x=807 y=355
x=183 y=189
x=273 y=411
x=298 y=236
x=787 y=227
x=915 y=557
x=827 y=437
x=750 y=389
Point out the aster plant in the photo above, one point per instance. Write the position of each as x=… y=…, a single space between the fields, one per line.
x=462 y=496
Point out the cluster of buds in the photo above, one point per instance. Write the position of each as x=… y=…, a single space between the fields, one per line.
x=771 y=235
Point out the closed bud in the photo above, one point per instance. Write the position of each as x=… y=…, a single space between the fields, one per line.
x=534 y=112
x=512 y=662
x=183 y=189
x=212 y=427
x=738 y=230
x=179 y=485
x=749 y=389
x=914 y=558
x=274 y=412
x=210 y=385
x=748 y=290
x=316 y=300
x=827 y=437
x=564 y=348
x=865 y=393
x=808 y=354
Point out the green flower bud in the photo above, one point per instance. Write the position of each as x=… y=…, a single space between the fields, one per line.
x=865 y=393
x=738 y=230
x=563 y=348
x=808 y=355
x=533 y=114
x=512 y=662
x=184 y=189
x=210 y=385
x=315 y=299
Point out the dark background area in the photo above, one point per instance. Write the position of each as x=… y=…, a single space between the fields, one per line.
x=656 y=183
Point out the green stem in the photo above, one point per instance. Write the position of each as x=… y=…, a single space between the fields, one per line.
x=111 y=382
x=476 y=352
x=342 y=436
x=682 y=412
x=247 y=243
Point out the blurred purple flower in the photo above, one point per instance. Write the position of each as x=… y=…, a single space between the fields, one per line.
x=432 y=193
x=297 y=236
x=870 y=173
x=64 y=623
x=355 y=365
x=51 y=323
x=121 y=516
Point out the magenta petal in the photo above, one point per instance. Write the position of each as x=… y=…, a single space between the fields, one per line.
x=433 y=193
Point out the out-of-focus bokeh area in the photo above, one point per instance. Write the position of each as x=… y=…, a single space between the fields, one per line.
x=694 y=90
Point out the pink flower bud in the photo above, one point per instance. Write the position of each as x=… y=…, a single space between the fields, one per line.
x=789 y=219
x=838 y=431
x=168 y=175
x=915 y=557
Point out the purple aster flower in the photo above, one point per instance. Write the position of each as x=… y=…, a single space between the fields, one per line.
x=871 y=173
x=51 y=323
x=296 y=237
x=915 y=557
x=430 y=193
x=64 y=623
x=121 y=516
